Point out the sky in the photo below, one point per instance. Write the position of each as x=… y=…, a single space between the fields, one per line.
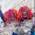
x=7 y=4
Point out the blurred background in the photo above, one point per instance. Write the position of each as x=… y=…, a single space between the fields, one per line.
x=27 y=27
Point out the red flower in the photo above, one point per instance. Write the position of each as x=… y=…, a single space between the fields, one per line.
x=20 y=15
x=10 y=15
x=26 y=12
